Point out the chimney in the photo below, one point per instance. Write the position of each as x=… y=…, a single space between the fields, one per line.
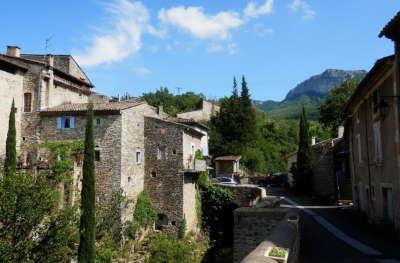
x=340 y=132
x=160 y=110
x=313 y=140
x=50 y=60
x=13 y=51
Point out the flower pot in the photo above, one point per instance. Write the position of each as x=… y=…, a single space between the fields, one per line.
x=282 y=259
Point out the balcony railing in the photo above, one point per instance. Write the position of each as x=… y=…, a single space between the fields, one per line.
x=195 y=166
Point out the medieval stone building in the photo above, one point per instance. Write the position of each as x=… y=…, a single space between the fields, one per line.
x=373 y=136
x=171 y=170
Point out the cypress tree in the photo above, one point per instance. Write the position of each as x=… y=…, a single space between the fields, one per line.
x=303 y=176
x=10 y=162
x=247 y=116
x=86 y=250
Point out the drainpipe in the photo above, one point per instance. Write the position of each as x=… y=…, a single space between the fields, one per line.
x=397 y=88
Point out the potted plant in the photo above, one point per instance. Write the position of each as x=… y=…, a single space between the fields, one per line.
x=279 y=254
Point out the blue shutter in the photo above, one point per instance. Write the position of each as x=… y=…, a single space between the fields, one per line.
x=72 y=122
x=59 y=122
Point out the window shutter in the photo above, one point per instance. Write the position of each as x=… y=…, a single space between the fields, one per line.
x=59 y=122
x=72 y=122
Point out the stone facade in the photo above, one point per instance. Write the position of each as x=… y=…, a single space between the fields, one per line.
x=206 y=110
x=11 y=87
x=169 y=173
x=374 y=147
x=246 y=195
x=119 y=135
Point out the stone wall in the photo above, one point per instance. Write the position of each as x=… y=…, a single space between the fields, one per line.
x=246 y=195
x=11 y=87
x=169 y=182
x=207 y=110
x=285 y=235
x=108 y=142
x=323 y=181
x=253 y=226
x=59 y=95
x=132 y=141
x=164 y=178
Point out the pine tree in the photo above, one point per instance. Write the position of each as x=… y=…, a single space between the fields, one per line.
x=86 y=250
x=303 y=175
x=10 y=163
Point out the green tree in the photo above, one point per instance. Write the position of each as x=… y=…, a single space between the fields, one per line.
x=10 y=163
x=246 y=116
x=331 y=110
x=86 y=250
x=33 y=227
x=303 y=175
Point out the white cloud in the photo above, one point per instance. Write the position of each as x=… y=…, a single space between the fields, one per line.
x=122 y=38
x=214 y=48
x=200 y=25
x=302 y=5
x=232 y=48
x=253 y=11
x=142 y=71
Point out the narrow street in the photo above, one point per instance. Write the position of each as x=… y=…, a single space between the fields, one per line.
x=336 y=234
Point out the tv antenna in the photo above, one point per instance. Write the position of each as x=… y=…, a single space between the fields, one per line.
x=47 y=42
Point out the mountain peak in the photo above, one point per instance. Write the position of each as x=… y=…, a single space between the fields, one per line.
x=318 y=86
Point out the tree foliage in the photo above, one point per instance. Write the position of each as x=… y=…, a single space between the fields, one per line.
x=86 y=251
x=33 y=227
x=10 y=162
x=303 y=175
x=145 y=214
x=173 y=104
x=331 y=110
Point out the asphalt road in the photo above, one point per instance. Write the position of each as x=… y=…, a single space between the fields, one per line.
x=320 y=243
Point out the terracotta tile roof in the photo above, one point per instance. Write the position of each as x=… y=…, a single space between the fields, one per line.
x=185 y=121
x=106 y=106
x=228 y=158
x=393 y=26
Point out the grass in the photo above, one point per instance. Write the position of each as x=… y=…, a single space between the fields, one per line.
x=277 y=252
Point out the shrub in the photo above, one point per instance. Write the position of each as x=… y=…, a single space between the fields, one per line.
x=145 y=214
x=164 y=248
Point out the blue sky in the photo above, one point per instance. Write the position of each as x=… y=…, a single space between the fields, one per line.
x=136 y=47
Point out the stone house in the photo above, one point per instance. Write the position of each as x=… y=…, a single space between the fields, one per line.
x=227 y=166
x=205 y=110
x=119 y=138
x=373 y=136
x=171 y=171
x=47 y=81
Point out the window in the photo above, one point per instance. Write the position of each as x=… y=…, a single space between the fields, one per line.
x=66 y=122
x=160 y=153
x=153 y=173
x=98 y=121
x=192 y=149
x=358 y=141
x=97 y=155
x=27 y=102
x=138 y=157
x=377 y=141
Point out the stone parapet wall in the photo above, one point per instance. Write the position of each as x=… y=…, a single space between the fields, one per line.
x=246 y=195
x=285 y=235
x=256 y=229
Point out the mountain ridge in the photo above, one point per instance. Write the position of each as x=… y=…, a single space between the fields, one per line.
x=310 y=92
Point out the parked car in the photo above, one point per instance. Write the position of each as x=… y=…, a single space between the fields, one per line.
x=225 y=180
